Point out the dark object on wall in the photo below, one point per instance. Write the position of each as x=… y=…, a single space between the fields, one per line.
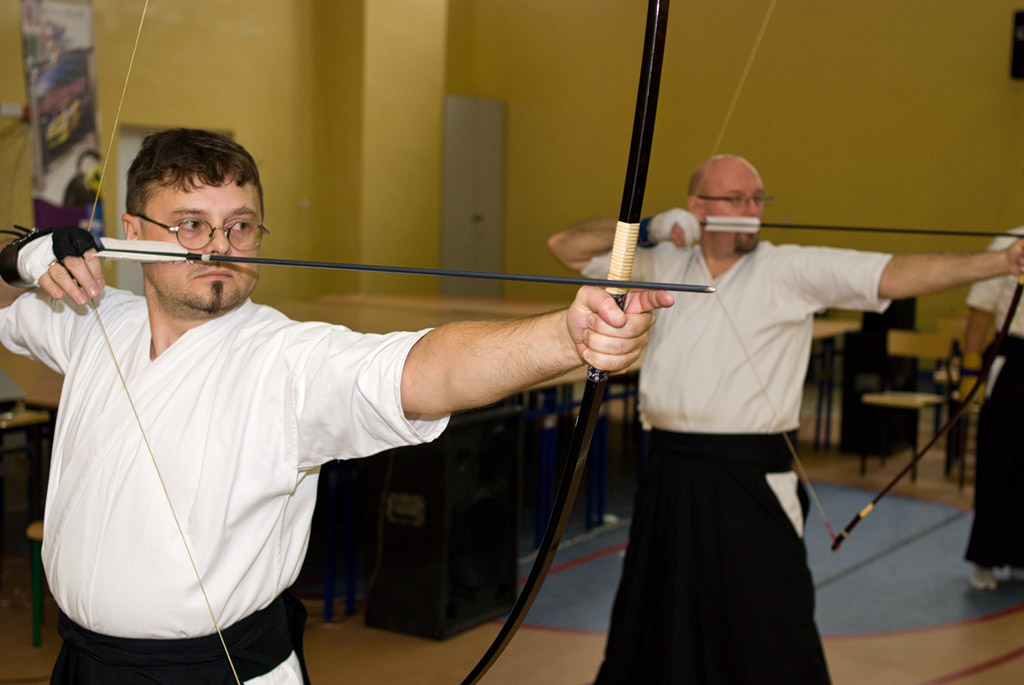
x=1017 y=52
x=449 y=529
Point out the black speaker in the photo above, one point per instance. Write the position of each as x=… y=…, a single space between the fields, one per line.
x=1017 y=50
x=448 y=529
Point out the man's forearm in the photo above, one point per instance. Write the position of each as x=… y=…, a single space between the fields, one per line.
x=909 y=275
x=576 y=246
x=475 y=363
x=979 y=323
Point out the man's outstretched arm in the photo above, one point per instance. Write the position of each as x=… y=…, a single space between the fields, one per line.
x=472 y=364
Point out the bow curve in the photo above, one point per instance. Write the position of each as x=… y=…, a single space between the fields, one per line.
x=623 y=251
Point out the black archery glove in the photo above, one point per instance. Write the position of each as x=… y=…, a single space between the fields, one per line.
x=25 y=260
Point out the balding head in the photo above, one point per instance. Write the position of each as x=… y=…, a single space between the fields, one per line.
x=716 y=167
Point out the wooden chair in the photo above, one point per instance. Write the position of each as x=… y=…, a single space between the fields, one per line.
x=933 y=348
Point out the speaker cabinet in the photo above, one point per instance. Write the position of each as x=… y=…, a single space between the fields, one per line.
x=448 y=529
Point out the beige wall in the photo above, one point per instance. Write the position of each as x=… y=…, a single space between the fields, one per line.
x=869 y=113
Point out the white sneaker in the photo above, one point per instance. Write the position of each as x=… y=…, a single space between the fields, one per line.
x=982 y=578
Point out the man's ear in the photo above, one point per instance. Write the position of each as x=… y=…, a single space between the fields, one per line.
x=695 y=206
x=131 y=226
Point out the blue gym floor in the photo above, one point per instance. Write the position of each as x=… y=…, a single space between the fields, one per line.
x=908 y=553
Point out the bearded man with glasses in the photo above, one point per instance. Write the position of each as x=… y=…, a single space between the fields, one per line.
x=715 y=587
x=238 y=407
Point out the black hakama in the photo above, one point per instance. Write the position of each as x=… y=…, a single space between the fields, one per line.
x=999 y=478
x=715 y=587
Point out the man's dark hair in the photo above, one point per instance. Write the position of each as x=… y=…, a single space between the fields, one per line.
x=185 y=159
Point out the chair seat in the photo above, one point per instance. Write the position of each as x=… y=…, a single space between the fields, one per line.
x=902 y=399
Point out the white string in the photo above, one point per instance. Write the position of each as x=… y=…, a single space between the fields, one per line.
x=798 y=465
x=743 y=77
x=163 y=486
x=117 y=366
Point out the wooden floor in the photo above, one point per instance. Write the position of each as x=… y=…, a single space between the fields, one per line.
x=983 y=652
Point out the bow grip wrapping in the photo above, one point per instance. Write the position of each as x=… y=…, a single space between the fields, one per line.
x=623 y=254
x=620 y=269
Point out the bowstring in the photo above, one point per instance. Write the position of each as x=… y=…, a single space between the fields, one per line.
x=743 y=76
x=117 y=366
x=727 y=119
x=797 y=463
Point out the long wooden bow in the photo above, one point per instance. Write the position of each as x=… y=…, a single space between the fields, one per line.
x=624 y=249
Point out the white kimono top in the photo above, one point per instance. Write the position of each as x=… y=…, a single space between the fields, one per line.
x=734 y=361
x=710 y=354
x=240 y=412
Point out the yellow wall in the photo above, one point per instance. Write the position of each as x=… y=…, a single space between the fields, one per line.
x=401 y=182
x=868 y=113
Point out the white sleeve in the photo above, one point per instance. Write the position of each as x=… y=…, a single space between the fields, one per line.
x=348 y=398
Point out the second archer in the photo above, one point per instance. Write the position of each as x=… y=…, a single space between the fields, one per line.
x=716 y=587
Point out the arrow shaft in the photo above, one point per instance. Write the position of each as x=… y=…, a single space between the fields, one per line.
x=147 y=255
x=882 y=229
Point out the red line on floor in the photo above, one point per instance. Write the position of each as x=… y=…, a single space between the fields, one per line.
x=978 y=668
x=584 y=559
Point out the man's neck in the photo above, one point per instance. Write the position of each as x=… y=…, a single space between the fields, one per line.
x=165 y=328
x=165 y=332
x=719 y=264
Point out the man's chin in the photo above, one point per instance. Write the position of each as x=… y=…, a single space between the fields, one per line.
x=218 y=299
x=746 y=243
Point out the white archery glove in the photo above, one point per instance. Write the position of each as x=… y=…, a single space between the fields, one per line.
x=658 y=228
x=25 y=260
